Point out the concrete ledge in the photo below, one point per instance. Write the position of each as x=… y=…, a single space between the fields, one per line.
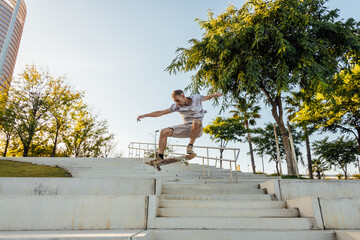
x=235 y=234
x=71 y=235
x=293 y=189
x=309 y=208
x=273 y=188
x=76 y=186
x=340 y=213
x=72 y=212
x=347 y=235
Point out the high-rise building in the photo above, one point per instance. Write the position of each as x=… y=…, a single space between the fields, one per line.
x=12 y=19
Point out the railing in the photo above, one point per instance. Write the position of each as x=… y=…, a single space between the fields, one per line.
x=139 y=150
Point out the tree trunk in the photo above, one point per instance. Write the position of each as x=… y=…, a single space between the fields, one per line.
x=358 y=139
x=277 y=168
x=308 y=151
x=288 y=153
x=55 y=143
x=6 y=144
x=277 y=112
x=250 y=148
x=26 y=150
x=319 y=174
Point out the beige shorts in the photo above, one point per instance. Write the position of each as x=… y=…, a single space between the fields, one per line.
x=183 y=131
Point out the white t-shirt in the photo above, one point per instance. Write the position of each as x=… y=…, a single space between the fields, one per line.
x=193 y=111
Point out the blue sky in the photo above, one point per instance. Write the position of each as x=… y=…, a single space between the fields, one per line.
x=116 y=51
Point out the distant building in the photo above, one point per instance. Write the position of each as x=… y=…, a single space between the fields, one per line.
x=8 y=8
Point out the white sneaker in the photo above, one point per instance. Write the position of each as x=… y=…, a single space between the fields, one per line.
x=189 y=149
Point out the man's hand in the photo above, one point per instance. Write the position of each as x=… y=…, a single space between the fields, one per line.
x=140 y=117
x=217 y=94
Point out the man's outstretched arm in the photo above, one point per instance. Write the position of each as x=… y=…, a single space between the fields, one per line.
x=154 y=114
x=208 y=97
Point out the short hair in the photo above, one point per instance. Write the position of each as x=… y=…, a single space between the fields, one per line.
x=177 y=93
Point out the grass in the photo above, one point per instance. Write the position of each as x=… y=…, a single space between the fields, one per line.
x=292 y=177
x=20 y=169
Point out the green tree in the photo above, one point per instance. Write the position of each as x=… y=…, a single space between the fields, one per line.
x=87 y=135
x=224 y=130
x=339 y=153
x=247 y=112
x=335 y=107
x=319 y=166
x=60 y=112
x=29 y=100
x=267 y=48
x=264 y=141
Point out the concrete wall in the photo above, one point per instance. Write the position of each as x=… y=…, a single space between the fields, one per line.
x=329 y=213
x=72 y=212
x=309 y=208
x=340 y=213
x=286 y=189
x=76 y=186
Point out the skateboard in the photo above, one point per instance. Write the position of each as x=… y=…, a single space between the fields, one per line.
x=184 y=159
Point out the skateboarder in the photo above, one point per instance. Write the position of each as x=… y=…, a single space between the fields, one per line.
x=192 y=112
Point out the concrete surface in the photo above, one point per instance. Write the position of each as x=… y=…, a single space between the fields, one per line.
x=347 y=235
x=340 y=213
x=71 y=235
x=308 y=207
x=72 y=212
x=235 y=235
x=76 y=186
x=286 y=189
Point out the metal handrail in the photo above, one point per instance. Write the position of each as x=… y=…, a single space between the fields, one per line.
x=150 y=147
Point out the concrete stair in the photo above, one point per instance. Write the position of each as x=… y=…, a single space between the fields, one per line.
x=224 y=206
x=236 y=235
x=188 y=205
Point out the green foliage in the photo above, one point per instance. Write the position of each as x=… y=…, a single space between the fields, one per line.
x=335 y=107
x=356 y=176
x=224 y=130
x=338 y=153
x=267 y=48
x=319 y=165
x=38 y=110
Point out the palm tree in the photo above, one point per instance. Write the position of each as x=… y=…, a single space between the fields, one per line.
x=320 y=166
x=248 y=112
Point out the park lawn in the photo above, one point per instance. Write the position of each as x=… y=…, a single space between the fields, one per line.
x=20 y=169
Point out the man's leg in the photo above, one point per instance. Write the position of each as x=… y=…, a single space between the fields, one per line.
x=164 y=134
x=194 y=133
x=195 y=130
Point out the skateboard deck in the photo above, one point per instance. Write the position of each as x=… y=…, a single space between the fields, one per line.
x=184 y=159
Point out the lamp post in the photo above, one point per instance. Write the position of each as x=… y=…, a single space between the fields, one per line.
x=155 y=144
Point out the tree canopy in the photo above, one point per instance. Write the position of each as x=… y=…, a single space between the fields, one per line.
x=267 y=48
x=339 y=153
x=39 y=112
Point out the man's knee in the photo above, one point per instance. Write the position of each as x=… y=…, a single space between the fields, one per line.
x=197 y=123
x=166 y=132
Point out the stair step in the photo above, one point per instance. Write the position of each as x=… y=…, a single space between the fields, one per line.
x=233 y=223
x=228 y=212
x=221 y=204
x=204 y=186
x=213 y=191
x=227 y=197
x=237 y=235
x=69 y=235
